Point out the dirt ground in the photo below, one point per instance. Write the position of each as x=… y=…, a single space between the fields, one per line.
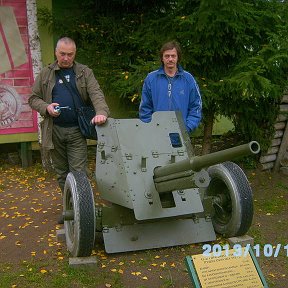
x=30 y=204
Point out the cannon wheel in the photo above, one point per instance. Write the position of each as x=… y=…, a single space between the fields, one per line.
x=79 y=231
x=232 y=199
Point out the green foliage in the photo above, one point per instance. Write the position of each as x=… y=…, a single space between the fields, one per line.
x=45 y=18
x=236 y=50
x=241 y=62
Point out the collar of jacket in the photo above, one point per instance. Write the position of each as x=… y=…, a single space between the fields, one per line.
x=77 y=67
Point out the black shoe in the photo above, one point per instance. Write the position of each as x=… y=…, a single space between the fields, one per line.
x=60 y=220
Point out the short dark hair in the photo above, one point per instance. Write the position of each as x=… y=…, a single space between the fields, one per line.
x=169 y=46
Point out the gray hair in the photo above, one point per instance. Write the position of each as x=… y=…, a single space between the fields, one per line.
x=65 y=40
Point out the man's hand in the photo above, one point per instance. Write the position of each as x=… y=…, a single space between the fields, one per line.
x=50 y=109
x=99 y=119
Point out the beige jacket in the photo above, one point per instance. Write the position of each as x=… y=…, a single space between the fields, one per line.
x=41 y=97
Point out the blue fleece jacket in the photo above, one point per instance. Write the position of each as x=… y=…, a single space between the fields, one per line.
x=163 y=93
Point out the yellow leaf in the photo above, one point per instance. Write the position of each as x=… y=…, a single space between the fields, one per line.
x=120 y=271
x=43 y=271
x=144 y=278
x=108 y=285
x=113 y=270
x=157 y=257
x=163 y=264
x=121 y=263
x=154 y=264
x=173 y=265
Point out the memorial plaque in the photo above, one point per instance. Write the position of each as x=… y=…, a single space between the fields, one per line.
x=228 y=270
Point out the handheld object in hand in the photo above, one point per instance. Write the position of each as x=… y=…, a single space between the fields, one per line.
x=59 y=108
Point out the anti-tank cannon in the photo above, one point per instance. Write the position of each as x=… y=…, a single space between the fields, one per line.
x=159 y=193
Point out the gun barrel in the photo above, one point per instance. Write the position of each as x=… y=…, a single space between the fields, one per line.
x=199 y=162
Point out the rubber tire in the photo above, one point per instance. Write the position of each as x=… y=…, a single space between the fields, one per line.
x=80 y=232
x=229 y=179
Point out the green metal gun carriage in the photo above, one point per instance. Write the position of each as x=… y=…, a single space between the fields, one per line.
x=160 y=194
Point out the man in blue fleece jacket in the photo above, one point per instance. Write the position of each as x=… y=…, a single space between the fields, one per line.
x=171 y=88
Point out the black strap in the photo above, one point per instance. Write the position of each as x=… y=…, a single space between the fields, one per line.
x=71 y=89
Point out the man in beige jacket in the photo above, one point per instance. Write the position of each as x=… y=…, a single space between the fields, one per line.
x=60 y=130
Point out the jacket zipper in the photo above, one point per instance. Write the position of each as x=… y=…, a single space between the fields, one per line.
x=169 y=92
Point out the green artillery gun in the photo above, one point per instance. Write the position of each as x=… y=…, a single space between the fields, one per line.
x=158 y=193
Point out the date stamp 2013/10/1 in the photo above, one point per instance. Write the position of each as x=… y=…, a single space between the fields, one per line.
x=237 y=250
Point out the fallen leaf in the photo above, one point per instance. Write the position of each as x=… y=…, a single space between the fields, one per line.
x=163 y=264
x=43 y=271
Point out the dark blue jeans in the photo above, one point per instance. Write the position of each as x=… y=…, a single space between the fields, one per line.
x=69 y=153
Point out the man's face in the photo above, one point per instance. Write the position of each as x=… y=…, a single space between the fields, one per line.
x=170 y=58
x=65 y=55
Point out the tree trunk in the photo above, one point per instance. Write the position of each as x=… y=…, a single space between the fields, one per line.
x=207 y=138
